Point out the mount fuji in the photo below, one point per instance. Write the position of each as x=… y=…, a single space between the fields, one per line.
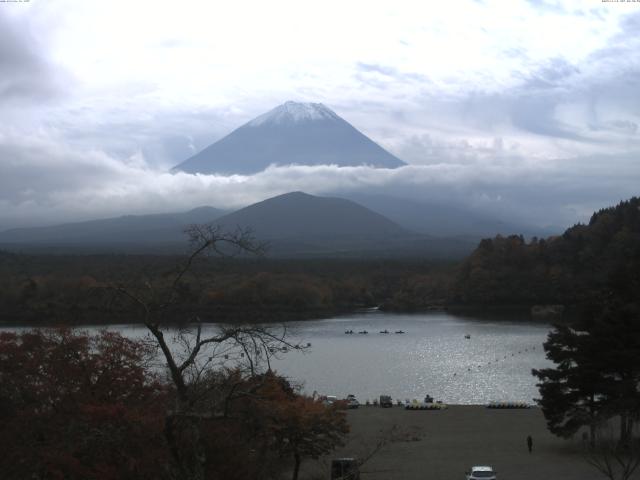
x=290 y=134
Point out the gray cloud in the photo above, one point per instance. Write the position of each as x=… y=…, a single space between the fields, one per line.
x=74 y=185
x=593 y=105
x=537 y=115
x=550 y=75
x=547 y=5
x=384 y=77
x=391 y=72
x=165 y=137
x=25 y=73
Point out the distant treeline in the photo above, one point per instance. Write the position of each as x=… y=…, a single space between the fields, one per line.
x=80 y=289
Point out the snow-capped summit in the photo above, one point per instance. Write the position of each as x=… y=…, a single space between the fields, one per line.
x=291 y=134
x=295 y=112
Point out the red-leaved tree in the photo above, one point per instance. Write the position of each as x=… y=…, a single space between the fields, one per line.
x=285 y=424
x=75 y=406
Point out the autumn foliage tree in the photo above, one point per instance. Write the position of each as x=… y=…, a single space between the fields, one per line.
x=74 y=406
x=299 y=426
x=308 y=429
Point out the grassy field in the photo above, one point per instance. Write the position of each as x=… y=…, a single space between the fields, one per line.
x=442 y=445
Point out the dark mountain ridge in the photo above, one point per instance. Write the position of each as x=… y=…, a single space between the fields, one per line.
x=295 y=225
x=127 y=229
x=300 y=215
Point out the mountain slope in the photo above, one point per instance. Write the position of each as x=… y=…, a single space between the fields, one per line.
x=295 y=225
x=443 y=220
x=299 y=215
x=292 y=133
x=301 y=225
x=129 y=229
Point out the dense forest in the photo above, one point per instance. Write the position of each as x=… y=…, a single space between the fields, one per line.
x=586 y=261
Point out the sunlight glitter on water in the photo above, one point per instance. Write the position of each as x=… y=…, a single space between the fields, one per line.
x=432 y=357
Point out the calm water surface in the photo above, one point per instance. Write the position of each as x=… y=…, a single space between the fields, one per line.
x=431 y=357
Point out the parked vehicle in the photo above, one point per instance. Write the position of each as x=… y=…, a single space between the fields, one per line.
x=329 y=399
x=352 y=402
x=345 y=469
x=385 y=401
x=481 y=472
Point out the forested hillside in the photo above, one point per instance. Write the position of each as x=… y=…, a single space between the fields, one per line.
x=599 y=258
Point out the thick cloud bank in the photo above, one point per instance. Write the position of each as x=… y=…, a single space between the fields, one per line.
x=43 y=181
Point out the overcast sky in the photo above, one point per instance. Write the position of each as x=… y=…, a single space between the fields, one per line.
x=528 y=109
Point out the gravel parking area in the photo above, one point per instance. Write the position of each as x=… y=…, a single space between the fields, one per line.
x=442 y=445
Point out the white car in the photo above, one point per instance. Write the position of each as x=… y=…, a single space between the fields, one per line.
x=352 y=402
x=481 y=472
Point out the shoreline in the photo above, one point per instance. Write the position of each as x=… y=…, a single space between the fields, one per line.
x=506 y=313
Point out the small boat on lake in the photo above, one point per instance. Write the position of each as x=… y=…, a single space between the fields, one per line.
x=384 y=331
x=363 y=332
x=348 y=332
x=467 y=336
x=399 y=331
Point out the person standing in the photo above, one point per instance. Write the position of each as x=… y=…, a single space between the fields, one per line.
x=585 y=439
x=529 y=443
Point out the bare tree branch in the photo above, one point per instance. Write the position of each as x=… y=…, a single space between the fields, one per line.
x=198 y=396
x=613 y=459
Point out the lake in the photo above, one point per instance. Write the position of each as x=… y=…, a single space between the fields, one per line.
x=432 y=357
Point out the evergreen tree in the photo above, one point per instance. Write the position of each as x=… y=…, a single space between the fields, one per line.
x=572 y=392
x=616 y=334
x=597 y=371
